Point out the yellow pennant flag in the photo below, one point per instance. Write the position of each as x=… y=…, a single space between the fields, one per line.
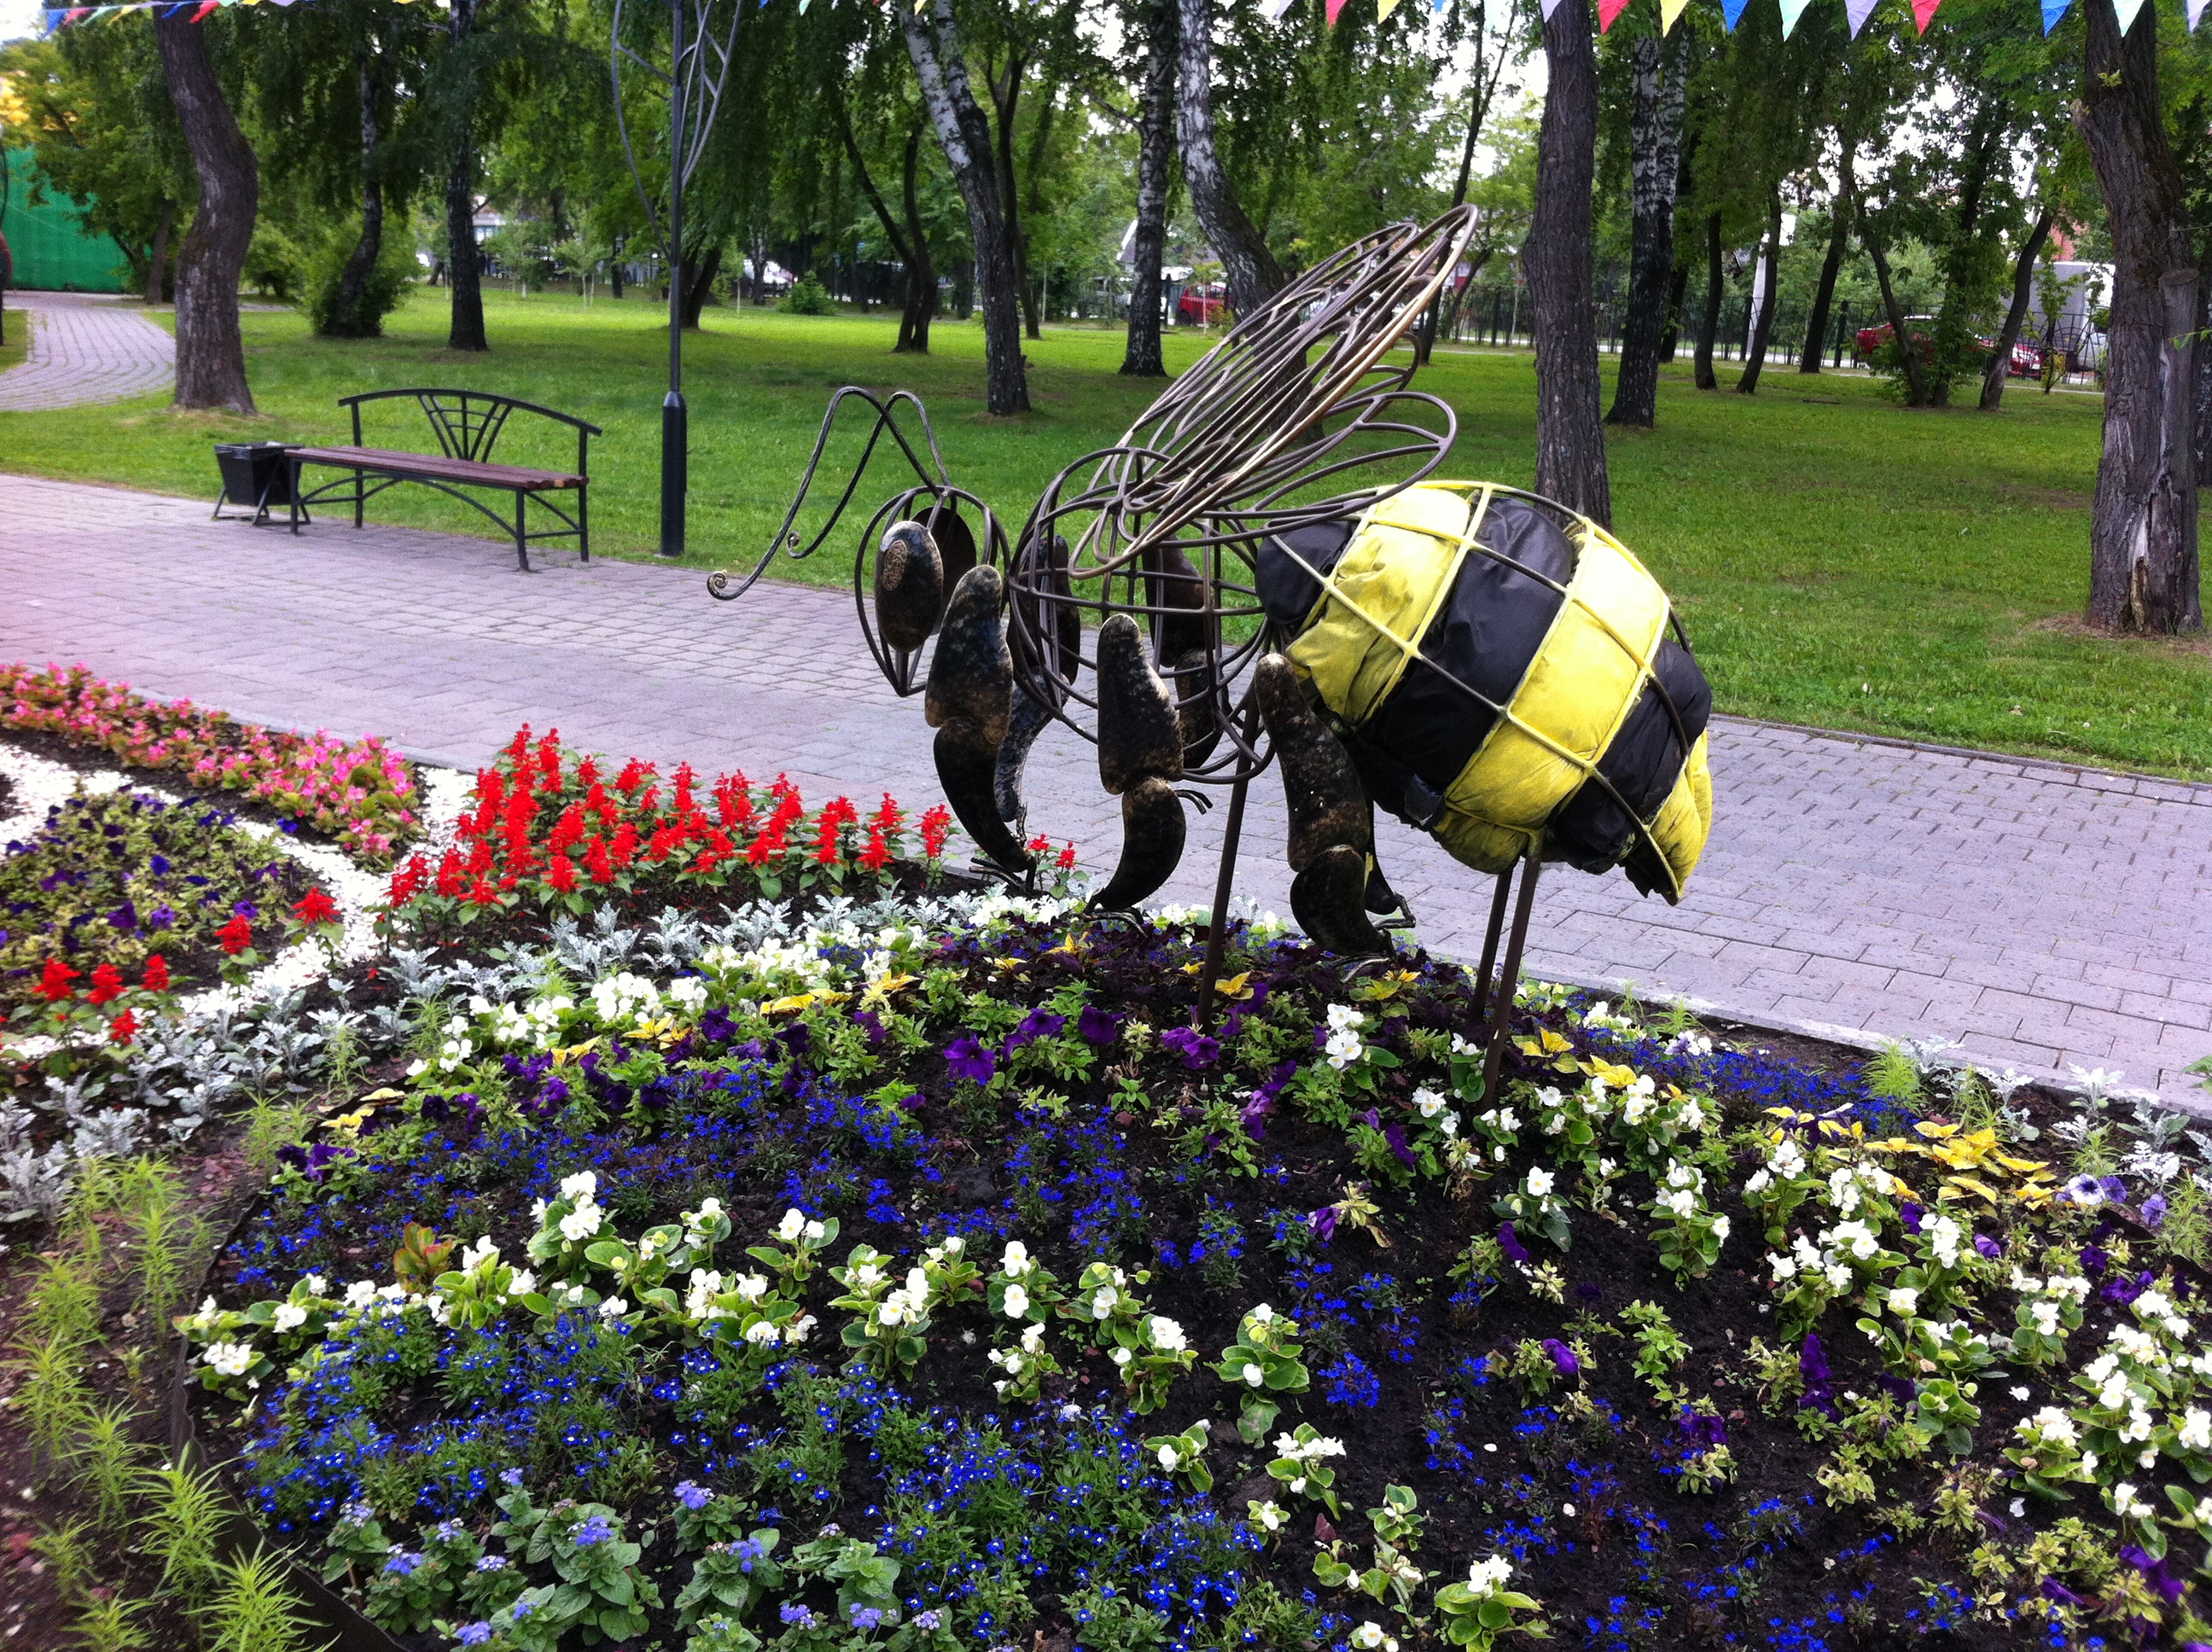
x=1384 y=7
x=1669 y=11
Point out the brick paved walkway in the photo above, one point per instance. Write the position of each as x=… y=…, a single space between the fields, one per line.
x=85 y=347
x=2046 y=915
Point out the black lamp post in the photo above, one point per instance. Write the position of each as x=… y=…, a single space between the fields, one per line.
x=698 y=67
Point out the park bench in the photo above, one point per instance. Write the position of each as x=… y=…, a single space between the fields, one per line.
x=467 y=424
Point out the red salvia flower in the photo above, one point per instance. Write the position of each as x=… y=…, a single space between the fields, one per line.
x=878 y=854
x=157 y=978
x=595 y=860
x=936 y=827
x=108 y=985
x=54 y=980
x=235 y=936
x=123 y=1029
x=562 y=873
x=1067 y=857
x=316 y=907
x=483 y=894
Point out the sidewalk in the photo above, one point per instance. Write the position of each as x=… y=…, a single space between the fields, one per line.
x=2046 y=915
x=85 y=347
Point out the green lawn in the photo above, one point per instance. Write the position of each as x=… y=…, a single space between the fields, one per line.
x=1839 y=561
x=19 y=339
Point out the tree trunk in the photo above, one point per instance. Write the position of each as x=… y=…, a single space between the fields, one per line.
x=1478 y=106
x=893 y=231
x=1678 y=287
x=1908 y=354
x=1955 y=332
x=699 y=283
x=2203 y=359
x=1252 y=273
x=1770 y=301
x=2023 y=289
x=1005 y=103
x=1654 y=167
x=350 y=313
x=2142 y=531
x=934 y=43
x=615 y=270
x=1569 y=430
x=211 y=355
x=157 y=266
x=1824 y=292
x=464 y=277
x=1156 y=116
x=922 y=271
x=1708 y=324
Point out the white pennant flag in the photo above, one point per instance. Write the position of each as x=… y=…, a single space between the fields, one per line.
x=1276 y=8
x=1791 y=11
x=1860 y=10
x=2125 y=11
x=1550 y=6
x=2196 y=14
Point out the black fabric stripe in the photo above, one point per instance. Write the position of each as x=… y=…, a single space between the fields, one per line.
x=1485 y=634
x=1287 y=592
x=1590 y=830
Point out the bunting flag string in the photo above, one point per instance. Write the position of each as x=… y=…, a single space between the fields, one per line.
x=1923 y=13
x=1669 y=11
x=1858 y=11
x=1607 y=10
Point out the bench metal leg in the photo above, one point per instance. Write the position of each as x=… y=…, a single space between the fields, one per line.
x=521 y=545
x=584 y=520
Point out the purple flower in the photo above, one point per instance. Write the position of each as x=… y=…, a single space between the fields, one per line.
x=2123 y=1289
x=125 y=918
x=160 y=917
x=1097 y=1026
x=492 y=1562
x=966 y=1057
x=245 y=909
x=866 y=1618
x=2153 y=1573
x=802 y=1616
x=1323 y=1222
x=871 y=1024
x=718 y=1026
x=1563 y=1357
x=1395 y=1133
x=2153 y=1211
x=2095 y=1260
x=931 y=1621
x=1510 y=1243
x=1037 y=1023
x=1910 y=1214
x=1988 y=1247
x=1263 y=1100
x=473 y=1634
x=2054 y=1590
x=693 y=1496
x=2113 y=1188
x=1198 y=1050
x=592 y=1533
x=1701 y=1430
x=404 y=1564
x=510 y=1477
x=1812 y=1364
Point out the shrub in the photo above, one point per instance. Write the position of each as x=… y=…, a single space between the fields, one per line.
x=808 y=296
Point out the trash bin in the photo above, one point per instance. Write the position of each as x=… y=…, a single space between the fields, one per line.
x=254 y=473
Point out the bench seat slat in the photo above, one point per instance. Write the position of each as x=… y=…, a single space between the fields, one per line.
x=384 y=461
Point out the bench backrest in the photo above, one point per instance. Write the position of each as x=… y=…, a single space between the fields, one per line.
x=467 y=424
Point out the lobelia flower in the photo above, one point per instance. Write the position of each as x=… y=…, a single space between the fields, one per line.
x=966 y=1057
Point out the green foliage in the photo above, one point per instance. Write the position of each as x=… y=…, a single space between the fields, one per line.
x=383 y=290
x=255 y=1609
x=807 y=296
x=185 y=1515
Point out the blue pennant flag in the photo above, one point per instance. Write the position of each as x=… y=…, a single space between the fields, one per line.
x=1733 y=9
x=2053 y=11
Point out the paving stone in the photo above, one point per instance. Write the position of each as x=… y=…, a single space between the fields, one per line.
x=86 y=347
x=1848 y=881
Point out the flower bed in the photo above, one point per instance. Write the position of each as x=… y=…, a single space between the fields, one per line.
x=921 y=1278
x=362 y=795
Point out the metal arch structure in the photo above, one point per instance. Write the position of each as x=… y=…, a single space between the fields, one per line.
x=698 y=69
x=1254 y=440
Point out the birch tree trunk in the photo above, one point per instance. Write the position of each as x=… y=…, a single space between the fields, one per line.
x=1570 y=429
x=1654 y=167
x=1254 y=276
x=1709 y=322
x=350 y=317
x=1770 y=301
x=463 y=278
x=2143 y=527
x=211 y=355
x=933 y=42
x=922 y=272
x=1156 y=117
x=2023 y=288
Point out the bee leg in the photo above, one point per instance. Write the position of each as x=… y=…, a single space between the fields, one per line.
x=1332 y=827
x=969 y=703
x=1140 y=755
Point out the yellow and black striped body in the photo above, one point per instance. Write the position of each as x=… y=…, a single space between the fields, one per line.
x=1505 y=675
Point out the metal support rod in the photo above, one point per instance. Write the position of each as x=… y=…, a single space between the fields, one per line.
x=675 y=418
x=1508 y=978
x=1489 y=937
x=1217 y=927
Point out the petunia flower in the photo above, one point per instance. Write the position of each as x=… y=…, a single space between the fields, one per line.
x=966 y=1057
x=1198 y=1050
x=1510 y=1243
x=1563 y=1357
x=1097 y=1026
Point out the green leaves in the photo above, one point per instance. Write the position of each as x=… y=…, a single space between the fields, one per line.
x=1265 y=1357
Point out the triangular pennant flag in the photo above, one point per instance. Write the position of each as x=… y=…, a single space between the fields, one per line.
x=1335 y=8
x=1669 y=11
x=1923 y=13
x=1859 y=11
x=1733 y=11
x=1607 y=12
x=1791 y=11
x=2196 y=14
x=1550 y=6
x=2053 y=11
x=2125 y=11
x=1384 y=7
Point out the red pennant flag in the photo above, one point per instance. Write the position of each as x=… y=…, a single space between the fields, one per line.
x=1607 y=10
x=1334 y=7
x=1923 y=13
x=206 y=7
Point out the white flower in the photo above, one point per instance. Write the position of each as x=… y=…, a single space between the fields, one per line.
x=1680 y=1201
x=1369 y=1637
x=360 y=1294
x=1486 y=1577
x=2194 y=1433
x=1016 y=1302
x=1904 y=1302
x=1270 y=1518
x=580 y=1189
x=2126 y=1505
x=1102 y=1301
x=762 y=1333
x=1166 y=1334
x=1263 y=1315
x=317 y=1286
x=289 y=1316
x=1448 y=1124
x=613 y=1309
x=1428 y=1102
x=1170 y=1459
x=1342 y=1049
x=813 y=1233
x=580 y=1224
x=522 y=1284
x=1016 y=1261
x=1342 y=1018
x=1254 y=1377
x=791 y=1227
x=2019 y=1391
x=1721 y=1229
x=2050 y=1425
x=1760 y=1181
x=1539 y=1183
x=1785 y=1267
x=229 y=1358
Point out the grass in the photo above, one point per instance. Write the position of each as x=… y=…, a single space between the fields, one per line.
x=18 y=345
x=1839 y=561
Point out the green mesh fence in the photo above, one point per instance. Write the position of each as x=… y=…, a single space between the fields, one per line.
x=52 y=250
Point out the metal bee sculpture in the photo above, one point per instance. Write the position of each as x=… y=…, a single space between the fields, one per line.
x=1262 y=570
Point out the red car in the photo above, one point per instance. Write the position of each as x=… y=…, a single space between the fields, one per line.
x=1203 y=307
x=2026 y=360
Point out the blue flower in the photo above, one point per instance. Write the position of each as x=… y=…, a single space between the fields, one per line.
x=802 y=1616
x=592 y=1533
x=866 y=1618
x=966 y=1057
x=473 y=1634
x=403 y=1562
x=693 y=1496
